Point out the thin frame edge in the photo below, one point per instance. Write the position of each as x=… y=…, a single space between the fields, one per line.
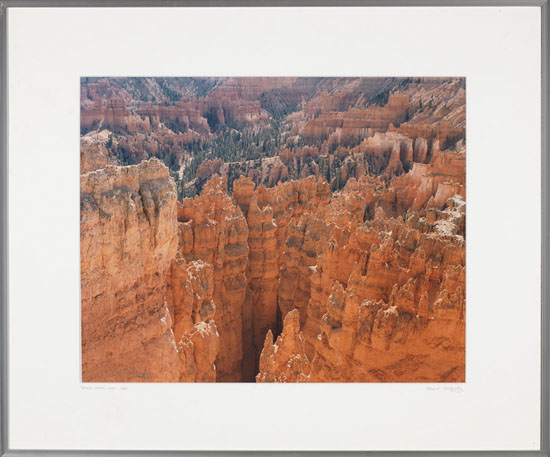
x=4 y=231
x=545 y=220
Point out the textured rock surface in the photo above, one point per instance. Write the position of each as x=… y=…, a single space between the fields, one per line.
x=387 y=302
x=269 y=216
x=333 y=251
x=139 y=323
x=386 y=281
x=285 y=361
x=128 y=238
x=93 y=154
x=212 y=228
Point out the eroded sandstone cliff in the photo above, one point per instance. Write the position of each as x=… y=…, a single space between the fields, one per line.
x=142 y=315
x=188 y=292
x=337 y=255
x=383 y=284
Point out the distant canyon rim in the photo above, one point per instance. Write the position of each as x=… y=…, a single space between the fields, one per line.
x=273 y=229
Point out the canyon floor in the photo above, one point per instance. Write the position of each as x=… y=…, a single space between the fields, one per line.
x=273 y=229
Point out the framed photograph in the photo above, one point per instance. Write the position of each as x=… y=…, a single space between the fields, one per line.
x=274 y=227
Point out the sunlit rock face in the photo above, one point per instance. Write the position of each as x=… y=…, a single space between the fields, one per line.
x=141 y=317
x=128 y=237
x=386 y=295
x=213 y=229
x=335 y=253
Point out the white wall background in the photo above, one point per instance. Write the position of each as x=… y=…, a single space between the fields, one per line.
x=497 y=49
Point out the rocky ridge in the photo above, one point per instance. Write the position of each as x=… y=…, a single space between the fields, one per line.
x=324 y=240
x=369 y=283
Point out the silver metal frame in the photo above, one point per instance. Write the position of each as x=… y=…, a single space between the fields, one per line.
x=545 y=248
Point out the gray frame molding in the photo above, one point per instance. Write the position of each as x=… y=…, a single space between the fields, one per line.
x=545 y=234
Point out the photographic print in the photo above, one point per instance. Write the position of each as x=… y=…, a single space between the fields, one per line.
x=273 y=229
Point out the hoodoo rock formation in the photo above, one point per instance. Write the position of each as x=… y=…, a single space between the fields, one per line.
x=213 y=229
x=143 y=318
x=273 y=230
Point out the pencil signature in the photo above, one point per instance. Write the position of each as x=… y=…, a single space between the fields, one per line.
x=455 y=389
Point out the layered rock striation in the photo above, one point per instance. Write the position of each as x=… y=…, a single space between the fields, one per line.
x=213 y=229
x=337 y=256
x=369 y=288
x=133 y=324
x=386 y=295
